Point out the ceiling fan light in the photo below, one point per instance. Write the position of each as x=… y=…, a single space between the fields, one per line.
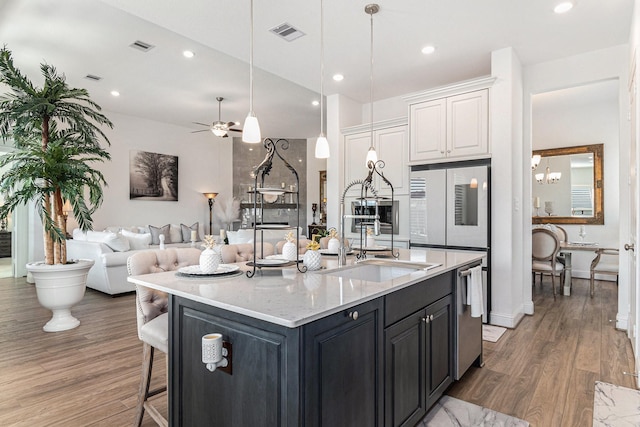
x=322 y=148
x=218 y=132
x=251 y=130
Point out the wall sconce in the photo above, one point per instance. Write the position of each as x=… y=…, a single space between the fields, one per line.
x=210 y=197
x=535 y=161
x=66 y=209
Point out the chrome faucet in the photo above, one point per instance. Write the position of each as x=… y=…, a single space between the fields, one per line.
x=342 y=251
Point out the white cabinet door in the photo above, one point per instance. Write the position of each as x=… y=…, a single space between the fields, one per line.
x=428 y=130
x=355 y=153
x=467 y=124
x=392 y=148
x=453 y=127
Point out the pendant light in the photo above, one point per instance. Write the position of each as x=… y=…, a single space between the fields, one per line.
x=372 y=156
x=251 y=128
x=322 y=145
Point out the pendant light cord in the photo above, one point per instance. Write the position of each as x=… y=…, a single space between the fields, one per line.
x=371 y=79
x=251 y=64
x=321 y=70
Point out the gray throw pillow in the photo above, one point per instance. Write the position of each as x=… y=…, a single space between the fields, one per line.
x=157 y=231
x=186 y=232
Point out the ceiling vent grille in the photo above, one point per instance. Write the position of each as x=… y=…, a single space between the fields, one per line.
x=287 y=32
x=93 y=77
x=145 y=47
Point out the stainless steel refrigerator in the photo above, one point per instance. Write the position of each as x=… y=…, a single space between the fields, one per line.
x=450 y=209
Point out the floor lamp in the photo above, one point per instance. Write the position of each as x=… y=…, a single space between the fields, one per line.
x=210 y=197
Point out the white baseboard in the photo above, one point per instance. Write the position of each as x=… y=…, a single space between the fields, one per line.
x=507 y=321
x=528 y=308
x=622 y=322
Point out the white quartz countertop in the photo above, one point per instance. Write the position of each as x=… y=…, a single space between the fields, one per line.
x=286 y=297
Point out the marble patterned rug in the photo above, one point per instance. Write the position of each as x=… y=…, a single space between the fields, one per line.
x=615 y=406
x=452 y=412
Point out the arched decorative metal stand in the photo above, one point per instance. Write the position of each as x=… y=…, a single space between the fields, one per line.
x=259 y=173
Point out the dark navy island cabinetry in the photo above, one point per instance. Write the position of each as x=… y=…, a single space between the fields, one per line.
x=381 y=363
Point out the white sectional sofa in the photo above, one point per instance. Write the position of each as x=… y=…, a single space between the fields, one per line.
x=111 y=248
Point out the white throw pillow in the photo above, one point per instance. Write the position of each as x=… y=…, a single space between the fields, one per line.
x=99 y=236
x=79 y=234
x=175 y=232
x=240 y=236
x=137 y=240
x=118 y=243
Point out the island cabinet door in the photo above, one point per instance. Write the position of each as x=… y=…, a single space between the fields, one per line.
x=343 y=368
x=439 y=350
x=262 y=388
x=405 y=371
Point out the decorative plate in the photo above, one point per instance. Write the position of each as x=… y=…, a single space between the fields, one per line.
x=271 y=191
x=274 y=226
x=194 y=270
x=328 y=252
x=371 y=248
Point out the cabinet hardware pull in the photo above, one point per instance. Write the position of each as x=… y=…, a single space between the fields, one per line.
x=629 y=247
x=431 y=318
x=353 y=315
x=425 y=319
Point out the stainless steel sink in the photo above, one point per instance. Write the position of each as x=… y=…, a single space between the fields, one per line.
x=380 y=270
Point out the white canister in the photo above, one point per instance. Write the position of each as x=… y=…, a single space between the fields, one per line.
x=290 y=251
x=312 y=260
x=209 y=261
x=371 y=241
x=333 y=245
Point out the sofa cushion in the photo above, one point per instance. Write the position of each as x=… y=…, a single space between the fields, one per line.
x=186 y=232
x=157 y=231
x=117 y=242
x=175 y=231
x=137 y=240
x=244 y=235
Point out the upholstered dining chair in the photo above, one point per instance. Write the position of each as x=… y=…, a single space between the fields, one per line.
x=544 y=251
x=605 y=262
x=152 y=318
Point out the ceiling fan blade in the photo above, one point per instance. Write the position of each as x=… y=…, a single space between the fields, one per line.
x=235 y=130
x=226 y=135
x=201 y=124
x=203 y=130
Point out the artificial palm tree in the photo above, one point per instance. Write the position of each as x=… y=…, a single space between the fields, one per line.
x=56 y=131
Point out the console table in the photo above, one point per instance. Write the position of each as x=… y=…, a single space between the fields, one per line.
x=5 y=244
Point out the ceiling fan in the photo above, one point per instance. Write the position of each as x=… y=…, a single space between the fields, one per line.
x=219 y=128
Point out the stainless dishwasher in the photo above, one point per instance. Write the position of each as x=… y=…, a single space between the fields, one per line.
x=468 y=340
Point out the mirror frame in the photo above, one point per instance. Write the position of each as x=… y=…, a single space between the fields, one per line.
x=598 y=180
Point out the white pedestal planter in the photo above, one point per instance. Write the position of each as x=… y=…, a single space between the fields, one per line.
x=59 y=287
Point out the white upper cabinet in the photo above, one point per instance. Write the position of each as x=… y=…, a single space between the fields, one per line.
x=450 y=123
x=468 y=124
x=390 y=142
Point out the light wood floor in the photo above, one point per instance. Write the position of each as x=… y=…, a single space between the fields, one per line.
x=543 y=371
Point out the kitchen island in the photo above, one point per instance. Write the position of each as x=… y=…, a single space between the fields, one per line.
x=370 y=344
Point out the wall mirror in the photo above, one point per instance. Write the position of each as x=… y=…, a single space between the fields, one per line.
x=567 y=185
x=323 y=197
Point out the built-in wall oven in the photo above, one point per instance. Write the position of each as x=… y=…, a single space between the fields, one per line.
x=387 y=210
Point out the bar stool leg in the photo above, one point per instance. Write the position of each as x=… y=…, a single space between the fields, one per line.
x=145 y=381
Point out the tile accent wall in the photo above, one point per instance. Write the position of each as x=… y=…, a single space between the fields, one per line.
x=246 y=157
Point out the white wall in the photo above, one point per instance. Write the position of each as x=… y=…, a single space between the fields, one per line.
x=593 y=123
x=204 y=164
x=605 y=64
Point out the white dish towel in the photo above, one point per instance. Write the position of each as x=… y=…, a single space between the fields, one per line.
x=474 y=291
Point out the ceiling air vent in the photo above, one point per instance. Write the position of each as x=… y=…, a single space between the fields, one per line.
x=92 y=77
x=287 y=32
x=145 y=47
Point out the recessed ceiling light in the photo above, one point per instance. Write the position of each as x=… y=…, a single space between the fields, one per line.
x=188 y=54
x=563 y=7
x=315 y=103
x=115 y=93
x=428 y=50
x=338 y=77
